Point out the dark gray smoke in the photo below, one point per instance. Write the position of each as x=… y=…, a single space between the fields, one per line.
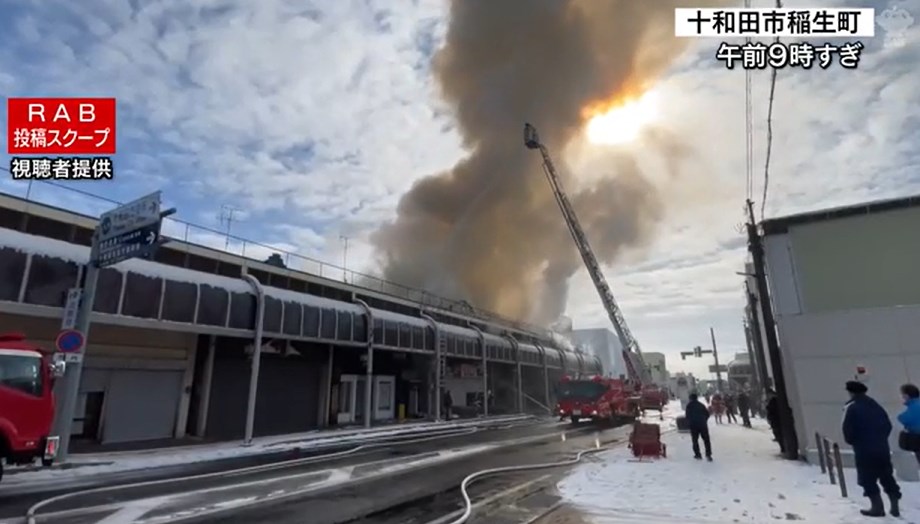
x=489 y=231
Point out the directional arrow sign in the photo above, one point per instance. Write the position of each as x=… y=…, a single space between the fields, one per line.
x=144 y=211
x=136 y=243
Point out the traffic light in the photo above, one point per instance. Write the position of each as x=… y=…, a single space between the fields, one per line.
x=698 y=351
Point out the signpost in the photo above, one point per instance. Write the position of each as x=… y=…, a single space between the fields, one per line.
x=134 y=215
x=128 y=231
x=70 y=343
x=71 y=308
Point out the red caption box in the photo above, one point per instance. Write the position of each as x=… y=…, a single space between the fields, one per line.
x=60 y=126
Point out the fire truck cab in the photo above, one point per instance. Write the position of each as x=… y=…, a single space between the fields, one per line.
x=27 y=374
x=600 y=399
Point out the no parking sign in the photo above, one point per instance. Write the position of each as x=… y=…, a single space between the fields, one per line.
x=69 y=341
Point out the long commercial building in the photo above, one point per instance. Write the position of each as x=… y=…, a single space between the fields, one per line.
x=171 y=341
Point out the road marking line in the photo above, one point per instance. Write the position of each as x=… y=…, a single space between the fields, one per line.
x=133 y=511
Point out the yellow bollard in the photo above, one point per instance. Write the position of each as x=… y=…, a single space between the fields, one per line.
x=402 y=412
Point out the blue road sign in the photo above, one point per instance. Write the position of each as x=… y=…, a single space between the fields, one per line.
x=69 y=341
x=136 y=243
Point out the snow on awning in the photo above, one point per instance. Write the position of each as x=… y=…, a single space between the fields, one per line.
x=495 y=339
x=460 y=331
x=52 y=248
x=286 y=295
x=390 y=316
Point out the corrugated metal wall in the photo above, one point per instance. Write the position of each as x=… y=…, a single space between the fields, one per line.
x=288 y=394
x=858 y=262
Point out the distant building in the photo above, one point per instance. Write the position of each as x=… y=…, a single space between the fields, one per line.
x=740 y=372
x=658 y=367
x=604 y=344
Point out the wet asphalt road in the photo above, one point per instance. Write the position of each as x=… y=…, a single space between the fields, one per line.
x=15 y=504
x=419 y=496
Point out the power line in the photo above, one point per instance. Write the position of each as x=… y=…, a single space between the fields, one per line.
x=766 y=168
x=748 y=127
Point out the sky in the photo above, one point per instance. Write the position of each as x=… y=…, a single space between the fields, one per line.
x=311 y=119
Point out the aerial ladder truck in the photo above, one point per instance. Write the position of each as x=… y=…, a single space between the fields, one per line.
x=647 y=394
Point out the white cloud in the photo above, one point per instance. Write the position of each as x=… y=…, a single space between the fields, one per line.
x=840 y=137
x=316 y=116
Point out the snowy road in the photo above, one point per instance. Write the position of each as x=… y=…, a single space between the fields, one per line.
x=14 y=502
x=173 y=508
x=92 y=465
x=184 y=497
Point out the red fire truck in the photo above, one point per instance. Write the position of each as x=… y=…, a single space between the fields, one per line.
x=603 y=400
x=654 y=398
x=27 y=375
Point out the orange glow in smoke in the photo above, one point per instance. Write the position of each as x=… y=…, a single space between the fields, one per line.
x=622 y=119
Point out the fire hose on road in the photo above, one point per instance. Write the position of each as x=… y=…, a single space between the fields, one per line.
x=32 y=513
x=464 y=486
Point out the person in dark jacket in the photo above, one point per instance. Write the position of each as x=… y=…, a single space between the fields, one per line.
x=773 y=418
x=448 y=402
x=731 y=409
x=866 y=428
x=698 y=419
x=744 y=406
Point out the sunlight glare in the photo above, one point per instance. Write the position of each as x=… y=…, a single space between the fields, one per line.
x=623 y=123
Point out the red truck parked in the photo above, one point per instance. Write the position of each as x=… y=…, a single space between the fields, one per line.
x=603 y=400
x=27 y=375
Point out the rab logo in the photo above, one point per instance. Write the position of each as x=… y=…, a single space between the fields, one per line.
x=61 y=126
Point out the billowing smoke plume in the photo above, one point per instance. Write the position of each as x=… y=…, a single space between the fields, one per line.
x=489 y=231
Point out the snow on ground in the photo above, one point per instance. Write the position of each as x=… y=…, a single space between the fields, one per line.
x=747 y=482
x=96 y=463
x=668 y=418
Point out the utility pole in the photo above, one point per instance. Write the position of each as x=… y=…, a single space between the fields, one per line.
x=755 y=372
x=786 y=421
x=344 y=239
x=715 y=356
x=757 y=338
x=226 y=217
x=69 y=388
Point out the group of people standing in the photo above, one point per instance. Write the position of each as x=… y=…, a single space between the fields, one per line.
x=866 y=428
x=730 y=406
